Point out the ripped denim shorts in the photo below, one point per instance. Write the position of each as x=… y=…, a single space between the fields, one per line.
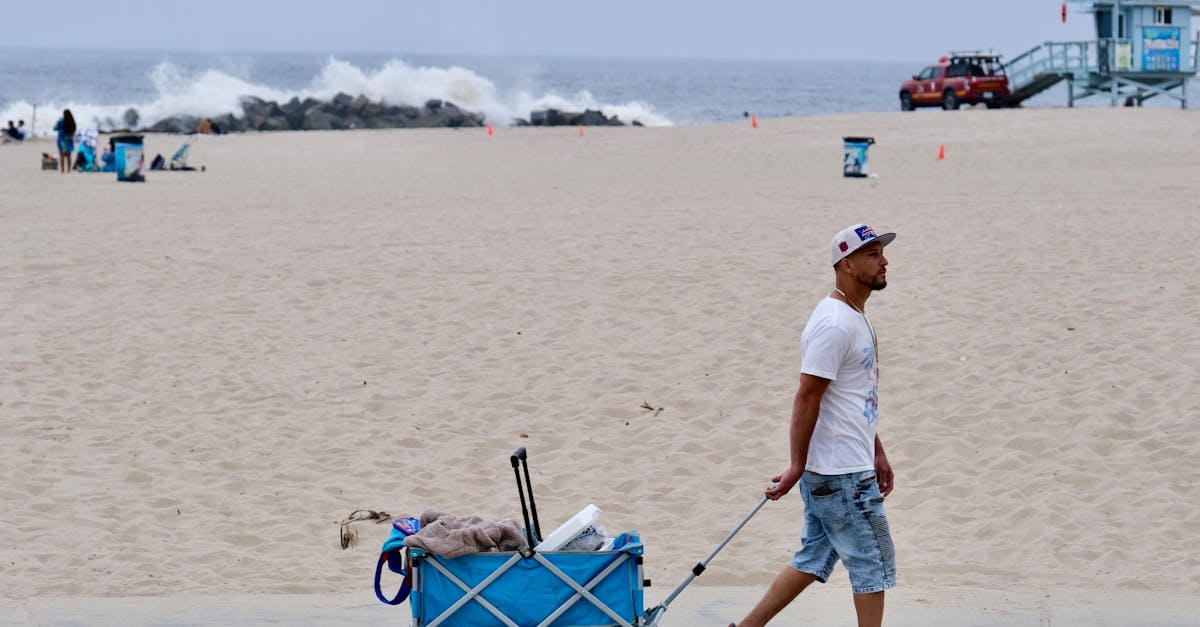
x=844 y=519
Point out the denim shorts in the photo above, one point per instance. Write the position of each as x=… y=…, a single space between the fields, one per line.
x=844 y=519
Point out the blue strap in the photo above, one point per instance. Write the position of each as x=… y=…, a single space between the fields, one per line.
x=405 y=586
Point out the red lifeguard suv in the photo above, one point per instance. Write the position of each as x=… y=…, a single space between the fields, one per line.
x=961 y=78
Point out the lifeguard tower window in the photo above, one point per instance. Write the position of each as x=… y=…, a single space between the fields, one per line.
x=1162 y=15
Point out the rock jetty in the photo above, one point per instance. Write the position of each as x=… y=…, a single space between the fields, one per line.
x=345 y=112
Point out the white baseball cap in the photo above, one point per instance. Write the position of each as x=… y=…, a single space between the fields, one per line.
x=854 y=237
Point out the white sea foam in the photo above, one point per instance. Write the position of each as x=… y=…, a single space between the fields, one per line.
x=215 y=92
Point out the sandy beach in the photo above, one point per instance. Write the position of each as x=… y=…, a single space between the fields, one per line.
x=202 y=374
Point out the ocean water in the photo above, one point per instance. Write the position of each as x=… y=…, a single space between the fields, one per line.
x=100 y=85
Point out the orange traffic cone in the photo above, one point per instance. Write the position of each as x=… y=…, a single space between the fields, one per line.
x=753 y=120
x=942 y=152
x=489 y=129
x=581 y=130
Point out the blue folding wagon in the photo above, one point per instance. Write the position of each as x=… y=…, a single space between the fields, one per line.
x=528 y=588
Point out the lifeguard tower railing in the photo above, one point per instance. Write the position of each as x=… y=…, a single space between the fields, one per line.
x=1100 y=66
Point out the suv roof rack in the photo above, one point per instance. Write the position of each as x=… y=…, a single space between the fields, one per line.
x=973 y=54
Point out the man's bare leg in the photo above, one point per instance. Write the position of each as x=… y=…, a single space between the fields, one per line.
x=788 y=584
x=869 y=608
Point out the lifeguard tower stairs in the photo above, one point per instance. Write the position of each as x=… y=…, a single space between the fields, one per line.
x=1143 y=49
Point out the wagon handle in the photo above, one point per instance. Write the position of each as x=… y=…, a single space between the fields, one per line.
x=520 y=461
x=653 y=615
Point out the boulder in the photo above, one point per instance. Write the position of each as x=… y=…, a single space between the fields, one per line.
x=277 y=123
x=228 y=123
x=432 y=120
x=254 y=107
x=370 y=110
x=554 y=117
x=295 y=119
x=341 y=100
x=384 y=121
x=592 y=117
x=317 y=120
x=176 y=124
x=291 y=106
x=257 y=111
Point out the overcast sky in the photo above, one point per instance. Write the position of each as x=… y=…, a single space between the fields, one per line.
x=877 y=30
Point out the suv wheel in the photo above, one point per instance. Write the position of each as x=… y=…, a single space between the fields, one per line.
x=949 y=100
x=906 y=102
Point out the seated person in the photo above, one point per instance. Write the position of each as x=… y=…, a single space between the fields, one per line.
x=109 y=158
x=11 y=134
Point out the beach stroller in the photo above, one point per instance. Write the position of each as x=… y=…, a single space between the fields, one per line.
x=541 y=586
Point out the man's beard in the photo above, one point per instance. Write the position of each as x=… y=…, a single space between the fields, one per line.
x=875 y=283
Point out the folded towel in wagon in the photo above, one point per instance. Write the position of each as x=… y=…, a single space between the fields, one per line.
x=453 y=536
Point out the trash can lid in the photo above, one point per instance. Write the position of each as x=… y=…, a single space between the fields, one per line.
x=859 y=140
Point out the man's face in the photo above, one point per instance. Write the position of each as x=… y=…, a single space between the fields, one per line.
x=868 y=266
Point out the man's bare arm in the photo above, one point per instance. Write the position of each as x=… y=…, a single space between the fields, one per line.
x=805 y=409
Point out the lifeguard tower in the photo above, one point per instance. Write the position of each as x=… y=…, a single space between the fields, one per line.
x=1143 y=49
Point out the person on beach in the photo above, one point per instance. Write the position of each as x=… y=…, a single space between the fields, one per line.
x=66 y=140
x=12 y=134
x=836 y=455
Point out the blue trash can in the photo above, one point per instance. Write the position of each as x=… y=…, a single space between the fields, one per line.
x=854 y=161
x=131 y=160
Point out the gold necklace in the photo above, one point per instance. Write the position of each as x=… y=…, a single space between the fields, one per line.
x=874 y=338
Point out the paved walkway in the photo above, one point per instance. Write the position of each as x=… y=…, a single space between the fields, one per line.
x=698 y=606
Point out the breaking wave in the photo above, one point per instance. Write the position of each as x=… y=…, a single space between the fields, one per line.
x=213 y=92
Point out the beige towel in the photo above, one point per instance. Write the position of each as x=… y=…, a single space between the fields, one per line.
x=452 y=536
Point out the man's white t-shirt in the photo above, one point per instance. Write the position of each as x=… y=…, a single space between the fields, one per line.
x=837 y=345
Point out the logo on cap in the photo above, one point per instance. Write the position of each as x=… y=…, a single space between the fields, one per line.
x=844 y=246
x=864 y=233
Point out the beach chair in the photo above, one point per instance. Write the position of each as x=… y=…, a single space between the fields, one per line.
x=179 y=159
x=85 y=159
x=85 y=156
x=530 y=587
